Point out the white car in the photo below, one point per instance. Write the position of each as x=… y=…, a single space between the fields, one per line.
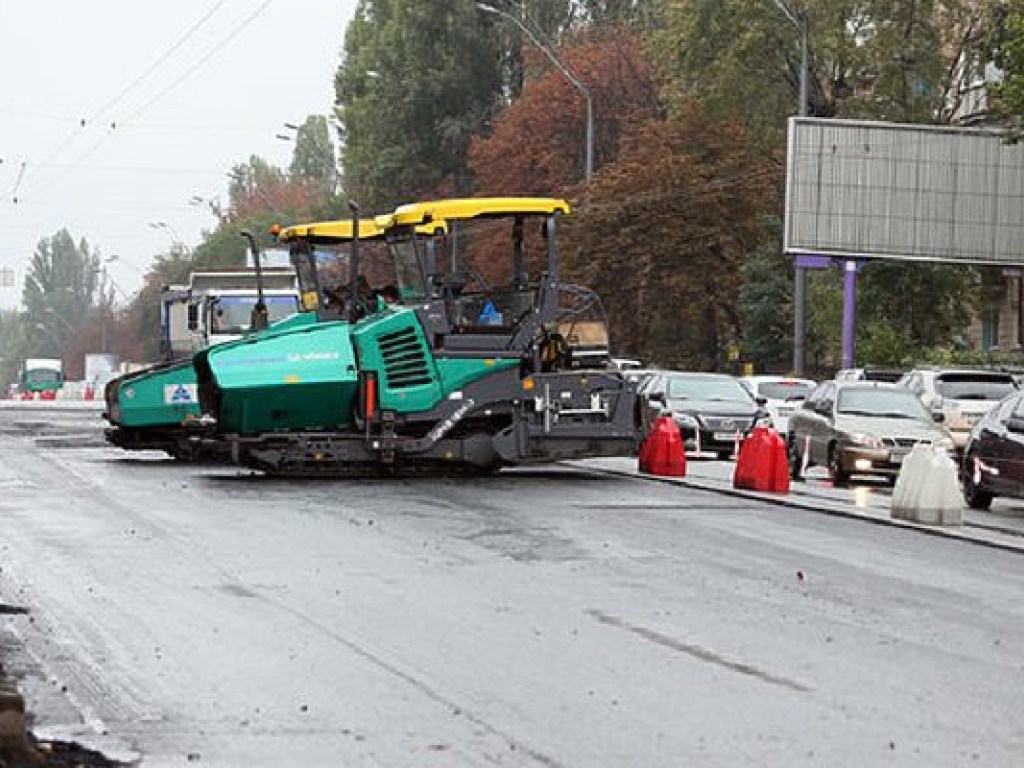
x=962 y=395
x=782 y=395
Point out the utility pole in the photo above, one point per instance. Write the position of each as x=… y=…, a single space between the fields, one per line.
x=799 y=272
x=566 y=72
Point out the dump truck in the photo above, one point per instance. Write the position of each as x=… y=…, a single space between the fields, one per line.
x=465 y=372
x=216 y=306
x=158 y=408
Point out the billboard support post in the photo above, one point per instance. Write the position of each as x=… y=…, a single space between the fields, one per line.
x=850 y=270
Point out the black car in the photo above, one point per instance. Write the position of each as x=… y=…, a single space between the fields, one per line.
x=993 y=463
x=713 y=410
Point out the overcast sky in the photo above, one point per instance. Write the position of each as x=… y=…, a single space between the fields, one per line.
x=173 y=94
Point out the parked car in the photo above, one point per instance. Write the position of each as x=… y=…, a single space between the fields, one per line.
x=871 y=373
x=782 y=396
x=993 y=461
x=963 y=395
x=713 y=410
x=860 y=428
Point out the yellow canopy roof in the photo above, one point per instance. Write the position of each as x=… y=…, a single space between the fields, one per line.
x=334 y=231
x=472 y=207
x=426 y=217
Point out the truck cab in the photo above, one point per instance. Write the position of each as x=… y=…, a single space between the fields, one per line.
x=217 y=307
x=42 y=377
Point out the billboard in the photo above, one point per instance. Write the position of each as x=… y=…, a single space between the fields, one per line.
x=883 y=190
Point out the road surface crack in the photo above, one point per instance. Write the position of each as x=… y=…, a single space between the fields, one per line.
x=698 y=652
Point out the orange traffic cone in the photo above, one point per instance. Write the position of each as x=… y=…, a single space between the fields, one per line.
x=662 y=452
x=88 y=393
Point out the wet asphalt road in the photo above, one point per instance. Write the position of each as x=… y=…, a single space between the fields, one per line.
x=553 y=617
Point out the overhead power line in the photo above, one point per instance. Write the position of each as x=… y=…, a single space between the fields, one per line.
x=160 y=60
x=86 y=122
x=194 y=68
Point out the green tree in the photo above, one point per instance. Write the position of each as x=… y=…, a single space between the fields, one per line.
x=766 y=304
x=875 y=59
x=419 y=78
x=313 y=160
x=1007 y=43
x=61 y=287
x=16 y=345
x=640 y=13
x=931 y=303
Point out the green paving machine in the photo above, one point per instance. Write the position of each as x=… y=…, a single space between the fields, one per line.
x=157 y=408
x=455 y=364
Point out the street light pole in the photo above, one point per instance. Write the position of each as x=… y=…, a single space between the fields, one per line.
x=799 y=273
x=168 y=227
x=568 y=73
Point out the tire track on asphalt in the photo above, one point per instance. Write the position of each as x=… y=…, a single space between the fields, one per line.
x=698 y=652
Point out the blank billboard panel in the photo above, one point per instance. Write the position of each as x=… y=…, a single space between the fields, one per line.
x=882 y=190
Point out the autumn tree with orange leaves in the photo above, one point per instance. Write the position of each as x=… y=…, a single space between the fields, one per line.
x=537 y=145
x=663 y=233
x=675 y=206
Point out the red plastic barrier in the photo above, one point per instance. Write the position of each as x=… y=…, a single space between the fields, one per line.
x=88 y=394
x=27 y=395
x=662 y=453
x=48 y=394
x=762 y=464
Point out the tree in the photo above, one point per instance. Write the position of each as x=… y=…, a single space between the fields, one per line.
x=16 y=345
x=665 y=231
x=639 y=13
x=313 y=160
x=419 y=78
x=61 y=287
x=766 y=304
x=877 y=60
x=1007 y=45
x=930 y=303
x=538 y=144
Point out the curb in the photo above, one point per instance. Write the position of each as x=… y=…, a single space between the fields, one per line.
x=958 y=534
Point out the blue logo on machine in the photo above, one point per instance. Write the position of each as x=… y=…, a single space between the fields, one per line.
x=181 y=394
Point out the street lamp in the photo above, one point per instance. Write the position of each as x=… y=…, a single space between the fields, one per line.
x=799 y=273
x=175 y=237
x=114 y=257
x=800 y=22
x=287 y=136
x=168 y=227
x=569 y=75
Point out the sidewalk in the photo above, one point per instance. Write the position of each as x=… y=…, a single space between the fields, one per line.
x=994 y=530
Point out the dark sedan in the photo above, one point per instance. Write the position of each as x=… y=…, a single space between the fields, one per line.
x=713 y=410
x=993 y=463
